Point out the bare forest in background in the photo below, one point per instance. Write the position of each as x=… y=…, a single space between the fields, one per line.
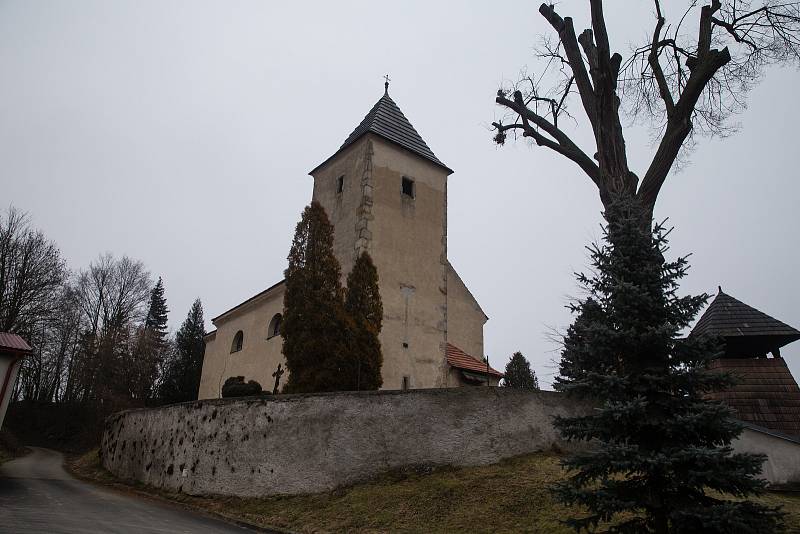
x=99 y=333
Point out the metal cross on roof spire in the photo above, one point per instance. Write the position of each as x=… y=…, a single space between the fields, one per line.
x=386 y=84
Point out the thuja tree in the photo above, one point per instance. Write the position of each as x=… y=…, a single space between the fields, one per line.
x=315 y=326
x=660 y=458
x=519 y=374
x=365 y=311
x=687 y=77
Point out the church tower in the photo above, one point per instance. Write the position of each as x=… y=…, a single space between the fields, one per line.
x=386 y=193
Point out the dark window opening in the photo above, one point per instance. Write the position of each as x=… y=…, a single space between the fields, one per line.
x=275 y=326
x=406 y=383
x=340 y=184
x=408 y=187
x=238 y=342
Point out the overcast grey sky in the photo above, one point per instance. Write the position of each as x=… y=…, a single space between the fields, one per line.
x=181 y=134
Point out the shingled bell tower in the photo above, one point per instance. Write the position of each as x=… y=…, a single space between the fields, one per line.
x=767 y=395
x=386 y=193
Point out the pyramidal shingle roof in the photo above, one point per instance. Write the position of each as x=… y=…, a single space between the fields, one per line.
x=386 y=120
x=732 y=319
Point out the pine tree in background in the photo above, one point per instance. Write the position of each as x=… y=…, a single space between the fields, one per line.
x=364 y=307
x=191 y=347
x=579 y=355
x=661 y=456
x=315 y=326
x=519 y=374
x=156 y=320
x=152 y=346
x=181 y=376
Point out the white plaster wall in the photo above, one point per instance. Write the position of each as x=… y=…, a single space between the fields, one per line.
x=465 y=319
x=260 y=354
x=783 y=456
x=294 y=444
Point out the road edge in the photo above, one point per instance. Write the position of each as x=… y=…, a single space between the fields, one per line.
x=154 y=494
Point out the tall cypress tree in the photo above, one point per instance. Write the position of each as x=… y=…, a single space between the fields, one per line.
x=519 y=374
x=660 y=453
x=315 y=326
x=364 y=307
x=181 y=378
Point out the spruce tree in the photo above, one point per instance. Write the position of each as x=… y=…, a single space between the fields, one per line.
x=315 y=326
x=156 y=320
x=519 y=375
x=365 y=309
x=151 y=346
x=181 y=378
x=660 y=458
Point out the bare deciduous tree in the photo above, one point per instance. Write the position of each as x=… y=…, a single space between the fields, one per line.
x=683 y=80
x=31 y=274
x=112 y=294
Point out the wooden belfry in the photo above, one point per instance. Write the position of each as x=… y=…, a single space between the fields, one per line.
x=767 y=394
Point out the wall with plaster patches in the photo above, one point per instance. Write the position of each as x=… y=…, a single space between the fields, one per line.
x=292 y=444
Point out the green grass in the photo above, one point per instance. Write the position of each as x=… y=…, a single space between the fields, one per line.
x=511 y=496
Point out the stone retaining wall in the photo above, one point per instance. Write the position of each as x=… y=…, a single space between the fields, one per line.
x=293 y=444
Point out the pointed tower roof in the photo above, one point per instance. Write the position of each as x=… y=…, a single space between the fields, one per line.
x=387 y=121
x=743 y=327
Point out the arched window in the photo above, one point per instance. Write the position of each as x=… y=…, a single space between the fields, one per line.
x=238 y=341
x=275 y=326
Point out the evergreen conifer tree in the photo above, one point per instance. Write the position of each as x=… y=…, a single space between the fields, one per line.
x=365 y=309
x=519 y=374
x=156 y=320
x=315 y=326
x=151 y=346
x=181 y=378
x=660 y=452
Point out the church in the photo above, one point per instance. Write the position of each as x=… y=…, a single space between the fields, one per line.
x=385 y=192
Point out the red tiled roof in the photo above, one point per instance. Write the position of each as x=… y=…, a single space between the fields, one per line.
x=767 y=394
x=13 y=342
x=461 y=360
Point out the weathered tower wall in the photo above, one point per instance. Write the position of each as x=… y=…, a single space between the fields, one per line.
x=407 y=238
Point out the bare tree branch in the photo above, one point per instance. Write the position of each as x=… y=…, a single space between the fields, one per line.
x=560 y=142
x=566 y=33
x=663 y=88
x=682 y=85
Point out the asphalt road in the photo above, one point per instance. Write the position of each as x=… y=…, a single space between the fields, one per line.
x=38 y=496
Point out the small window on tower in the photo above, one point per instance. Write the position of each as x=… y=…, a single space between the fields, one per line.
x=406 y=383
x=238 y=342
x=340 y=184
x=408 y=187
x=275 y=326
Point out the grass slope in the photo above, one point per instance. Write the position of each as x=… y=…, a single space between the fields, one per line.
x=511 y=496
